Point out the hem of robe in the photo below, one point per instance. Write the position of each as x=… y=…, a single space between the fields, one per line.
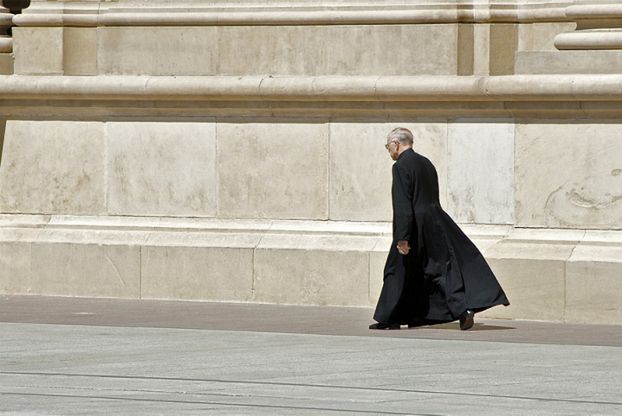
x=437 y=319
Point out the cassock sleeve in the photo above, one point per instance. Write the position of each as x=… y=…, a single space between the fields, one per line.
x=402 y=203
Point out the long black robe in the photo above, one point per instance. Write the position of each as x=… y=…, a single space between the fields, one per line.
x=444 y=274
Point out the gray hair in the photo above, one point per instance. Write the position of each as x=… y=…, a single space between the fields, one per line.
x=401 y=134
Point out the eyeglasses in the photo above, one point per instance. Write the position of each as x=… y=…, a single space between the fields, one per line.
x=386 y=146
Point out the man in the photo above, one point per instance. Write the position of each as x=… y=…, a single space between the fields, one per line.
x=433 y=273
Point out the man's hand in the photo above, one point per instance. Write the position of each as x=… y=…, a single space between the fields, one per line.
x=403 y=247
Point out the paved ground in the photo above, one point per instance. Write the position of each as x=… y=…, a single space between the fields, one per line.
x=68 y=356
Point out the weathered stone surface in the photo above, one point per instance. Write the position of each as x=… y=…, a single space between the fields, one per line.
x=73 y=269
x=157 y=168
x=53 y=167
x=313 y=270
x=6 y=64
x=540 y=36
x=569 y=62
x=80 y=51
x=15 y=267
x=480 y=170
x=271 y=170
x=568 y=175
x=328 y=49
x=360 y=166
x=503 y=46
x=38 y=51
x=481 y=49
x=533 y=277
x=594 y=284
x=206 y=273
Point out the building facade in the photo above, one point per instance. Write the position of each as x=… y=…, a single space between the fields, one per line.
x=233 y=150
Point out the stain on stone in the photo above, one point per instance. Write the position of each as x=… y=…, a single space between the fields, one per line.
x=581 y=200
x=616 y=172
x=574 y=201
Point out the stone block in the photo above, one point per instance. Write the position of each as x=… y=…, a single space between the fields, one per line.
x=533 y=277
x=6 y=64
x=15 y=267
x=53 y=167
x=568 y=175
x=38 y=51
x=540 y=36
x=74 y=269
x=158 y=168
x=273 y=170
x=139 y=50
x=481 y=49
x=200 y=273
x=503 y=45
x=481 y=171
x=377 y=260
x=279 y=50
x=313 y=270
x=569 y=62
x=594 y=284
x=80 y=51
x=360 y=166
x=465 y=49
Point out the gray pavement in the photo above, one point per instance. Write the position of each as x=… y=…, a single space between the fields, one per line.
x=69 y=356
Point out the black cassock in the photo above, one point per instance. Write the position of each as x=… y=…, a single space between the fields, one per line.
x=444 y=274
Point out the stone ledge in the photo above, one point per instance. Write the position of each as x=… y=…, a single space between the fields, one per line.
x=548 y=274
x=596 y=39
x=331 y=13
x=515 y=88
x=163 y=224
x=377 y=98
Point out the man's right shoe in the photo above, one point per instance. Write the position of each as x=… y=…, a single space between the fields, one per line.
x=380 y=325
x=467 y=319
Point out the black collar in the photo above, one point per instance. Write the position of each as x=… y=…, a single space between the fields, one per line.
x=404 y=152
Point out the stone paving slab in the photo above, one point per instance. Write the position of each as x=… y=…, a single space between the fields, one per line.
x=62 y=356
x=75 y=370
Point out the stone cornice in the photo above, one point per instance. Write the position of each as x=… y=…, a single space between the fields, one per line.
x=599 y=26
x=90 y=97
x=321 y=88
x=134 y=229
x=111 y=14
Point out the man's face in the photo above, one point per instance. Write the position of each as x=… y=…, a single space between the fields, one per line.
x=393 y=146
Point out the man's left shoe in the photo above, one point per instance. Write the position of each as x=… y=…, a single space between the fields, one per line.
x=467 y=319
x=380 y=325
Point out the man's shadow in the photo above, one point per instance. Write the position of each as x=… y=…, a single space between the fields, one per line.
x=455 y=326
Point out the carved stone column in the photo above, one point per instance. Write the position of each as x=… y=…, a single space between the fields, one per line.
x=599 y=26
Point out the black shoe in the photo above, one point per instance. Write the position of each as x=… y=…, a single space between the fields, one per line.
x=467 y=319
x=380 y=325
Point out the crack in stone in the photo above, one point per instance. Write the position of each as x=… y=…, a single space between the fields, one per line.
x=116 y=269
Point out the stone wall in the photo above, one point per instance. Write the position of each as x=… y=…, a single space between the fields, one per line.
x=6 y=42
x=234 y=151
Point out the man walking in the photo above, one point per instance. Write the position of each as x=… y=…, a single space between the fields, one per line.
x=433 y=273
